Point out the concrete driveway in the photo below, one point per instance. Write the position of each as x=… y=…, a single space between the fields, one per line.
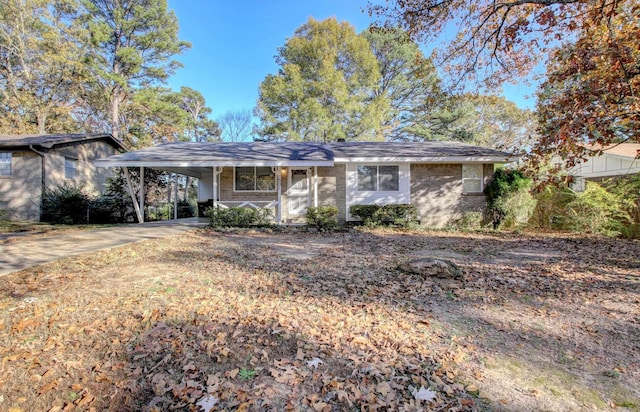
x=21 y=251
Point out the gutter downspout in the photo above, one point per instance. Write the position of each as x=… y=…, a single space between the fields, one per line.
x=43 y=177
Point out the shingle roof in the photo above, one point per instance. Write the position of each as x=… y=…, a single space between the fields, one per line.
x=50 y=140
x=414 y=150
x=204 y=154
x=189 y=155
x=620 y=149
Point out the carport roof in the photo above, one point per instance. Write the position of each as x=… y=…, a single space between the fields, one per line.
x=189 y=154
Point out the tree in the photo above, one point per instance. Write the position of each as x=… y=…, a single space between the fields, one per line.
x=236 y=125
x=131 y=44
x=596 y=69
x=495 y=122
x=40 y=67
x=592 y=93
x=323 y=89
x=410 y=83
x=200 y=127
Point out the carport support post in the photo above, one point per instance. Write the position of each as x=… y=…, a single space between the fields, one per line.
x=136 y=206
x=141 y=196
x=175 y=196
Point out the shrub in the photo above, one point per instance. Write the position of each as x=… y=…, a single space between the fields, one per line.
x=322 y=217
x=627 y=190
x=551 y=207
x=509 y=202
x=388 y=215
x=108 y=209
x=396 y=215
x=238 y=217
x=185 y=209
x=364 y=212
x=597 y=211
x=65 y=204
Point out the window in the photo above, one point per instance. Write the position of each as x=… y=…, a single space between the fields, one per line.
x=255 y=179
x=472 y=179
x=378 y=178
x=5 y=164
x=70 y=168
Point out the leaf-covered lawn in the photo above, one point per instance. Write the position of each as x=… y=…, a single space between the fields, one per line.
x=304 y=321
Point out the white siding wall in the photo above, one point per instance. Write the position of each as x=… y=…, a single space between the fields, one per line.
x=607 y=165
x=354 y=197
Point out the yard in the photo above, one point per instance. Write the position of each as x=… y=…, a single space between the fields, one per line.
x=251 y=320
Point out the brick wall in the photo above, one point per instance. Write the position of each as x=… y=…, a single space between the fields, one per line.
x=436 y=190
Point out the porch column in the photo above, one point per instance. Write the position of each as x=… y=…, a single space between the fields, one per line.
x=279 y=184
x=215 y=187
x=315 y=186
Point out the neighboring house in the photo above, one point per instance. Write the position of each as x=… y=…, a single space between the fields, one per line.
x=616 y=160
x=29 y=164
x=442 y=179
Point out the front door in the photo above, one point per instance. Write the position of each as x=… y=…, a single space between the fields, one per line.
x=298 y=193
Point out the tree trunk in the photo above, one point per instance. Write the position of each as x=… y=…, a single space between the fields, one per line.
x=115 y=115
x=186 y=188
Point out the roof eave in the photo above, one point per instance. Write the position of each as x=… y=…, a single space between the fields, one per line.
x=439 y=159
x=223 y=163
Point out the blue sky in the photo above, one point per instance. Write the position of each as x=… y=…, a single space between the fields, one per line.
x=234 y=44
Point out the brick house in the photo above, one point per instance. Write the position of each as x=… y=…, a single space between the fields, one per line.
x=29 y=164
x=442 y=179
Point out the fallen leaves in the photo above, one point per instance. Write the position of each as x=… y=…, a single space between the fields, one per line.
x=243 y=328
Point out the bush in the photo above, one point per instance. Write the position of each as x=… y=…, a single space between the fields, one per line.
x=551 y=207
x=238 y=217
x=597 y=211
x=364 y=212
x=396 y=215
x=108 y=209
x=66 y=204
x=627 y=190
x=388 y=215
x=509 y=202
x=185 y=209
x=323 y=218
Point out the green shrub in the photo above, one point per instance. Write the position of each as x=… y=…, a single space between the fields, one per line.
x=364 y=212
x=627 y=190
x=323 y=218
x=396 y=215
x=238 y=217
x=388 y=215
x=597 y=210
x=551 y=211
x=185 y=209
x=108 y=209
x=509 y=202
x=65 y=204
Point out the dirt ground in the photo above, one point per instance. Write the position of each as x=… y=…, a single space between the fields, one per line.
x=251 y=320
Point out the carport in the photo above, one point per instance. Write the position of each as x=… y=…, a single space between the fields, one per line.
x=206 y=161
